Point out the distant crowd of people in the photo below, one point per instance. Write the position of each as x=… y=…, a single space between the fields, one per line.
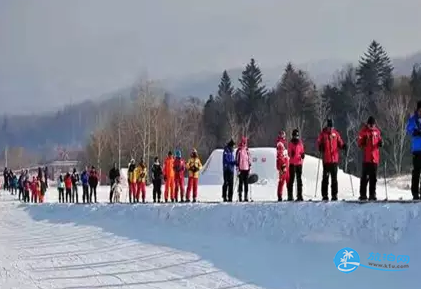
x=29 y=189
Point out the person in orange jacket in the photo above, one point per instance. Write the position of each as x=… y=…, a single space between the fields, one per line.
x=169 y=175
x=37 y=190
x=142 y=174
x=179 y=169
x=194 y=165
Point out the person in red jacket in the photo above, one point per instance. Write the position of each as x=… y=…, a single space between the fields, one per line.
x=370 y=140
x=68 y=185
x=329 y=143
x=179 y=169
x=296 y=155
x=282 y=162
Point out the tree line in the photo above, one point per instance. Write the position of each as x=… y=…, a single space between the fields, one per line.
x=155 y=124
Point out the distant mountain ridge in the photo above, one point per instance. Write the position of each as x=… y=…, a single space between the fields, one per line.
x=322 y=72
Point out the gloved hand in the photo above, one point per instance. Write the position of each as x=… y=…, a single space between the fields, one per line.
x=380 y=143
x=416 y=132
x=302 y=156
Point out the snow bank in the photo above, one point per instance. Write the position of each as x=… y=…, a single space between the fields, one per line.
x=283 y=222
x=270 y=246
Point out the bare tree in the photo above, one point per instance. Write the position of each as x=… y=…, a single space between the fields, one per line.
x=393 y=113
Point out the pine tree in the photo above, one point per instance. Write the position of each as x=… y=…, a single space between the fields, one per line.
x=252 y=94
x=415 y=82
x=374 y=74
x=225 y=88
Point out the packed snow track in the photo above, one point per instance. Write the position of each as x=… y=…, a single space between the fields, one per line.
x=218 y=246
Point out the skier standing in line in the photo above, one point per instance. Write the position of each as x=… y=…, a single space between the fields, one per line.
x=282 y=162
x=228 y=166
x=194 y=165
x=179 y=169
x=60 y=188
x=296 y=155
x=20 y=185
x=84 y=177
x=75 y=182
x=243 y=162
x=27 y=188
x=142 y=174
x=68 y=185
x=370 y=140
x=169 y=177
x=131 y=179
x=329 y=143
x=113 y=175
x=93 y=183
x=157 y=175
x=413 y=129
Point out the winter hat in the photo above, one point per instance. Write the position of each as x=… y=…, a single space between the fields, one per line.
x=178 y=154
x=231 y=143
x=295 y=133
x=371 y=120
x=156 y=160
x=329 y=122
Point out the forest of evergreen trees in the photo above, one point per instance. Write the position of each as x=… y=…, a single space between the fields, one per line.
x=259 y=112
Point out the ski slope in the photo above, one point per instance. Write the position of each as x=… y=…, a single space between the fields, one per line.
x=171 y=246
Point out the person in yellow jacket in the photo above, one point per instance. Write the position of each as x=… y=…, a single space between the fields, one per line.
x=194 y=165
x=141 y=181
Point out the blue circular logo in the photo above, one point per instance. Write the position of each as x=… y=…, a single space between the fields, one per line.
x=347 y=260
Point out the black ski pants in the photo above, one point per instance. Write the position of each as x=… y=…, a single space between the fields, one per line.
x=61 y=195
x=156 y=192
x=85 y=193
x=416 y=171
x=228 y=186
x=111 y=191
x=295 y=171
x=26 y=196
x=75 y=195
x=68 y=195
x=330 y=170
x=92 y=192
x=243 y=182
x=368 y=177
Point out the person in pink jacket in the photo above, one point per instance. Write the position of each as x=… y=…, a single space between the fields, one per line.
x=243 y=162
x=296 y=155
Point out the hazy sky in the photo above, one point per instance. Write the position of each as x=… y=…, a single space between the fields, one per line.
x=57 y=50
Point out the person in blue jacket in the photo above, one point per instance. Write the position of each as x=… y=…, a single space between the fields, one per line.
x=85 y=186
x=413 y=128
x=228 y=163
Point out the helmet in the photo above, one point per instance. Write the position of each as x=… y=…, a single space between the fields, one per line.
x=178 y=154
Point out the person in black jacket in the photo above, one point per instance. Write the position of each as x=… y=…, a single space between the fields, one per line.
x=157 y=175
x=75 y=182
x=113 y=175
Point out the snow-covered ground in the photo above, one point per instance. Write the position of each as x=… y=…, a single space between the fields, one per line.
x=203 y=245
x=239 y=245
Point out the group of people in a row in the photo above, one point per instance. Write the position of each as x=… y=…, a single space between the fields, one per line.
x=68 y=184
x=289 y=163
x=171 y=173
x=29 y=189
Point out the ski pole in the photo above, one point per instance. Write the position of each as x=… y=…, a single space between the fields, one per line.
x=385 y=182
x=317 y=178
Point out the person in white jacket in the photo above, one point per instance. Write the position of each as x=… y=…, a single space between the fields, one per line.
x=117 y=191
x=60 y=187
